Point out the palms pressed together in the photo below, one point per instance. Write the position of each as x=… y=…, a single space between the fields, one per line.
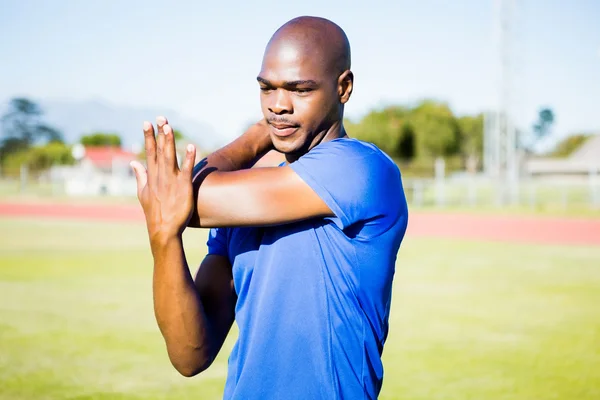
x=163 y=188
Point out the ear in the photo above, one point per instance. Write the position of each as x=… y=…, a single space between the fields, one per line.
x=345 y=86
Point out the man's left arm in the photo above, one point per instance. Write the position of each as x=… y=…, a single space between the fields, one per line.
x=340 y=179
x=227 y=192
x=274 y=195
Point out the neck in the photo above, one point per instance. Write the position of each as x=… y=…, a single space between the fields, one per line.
x=335 y=131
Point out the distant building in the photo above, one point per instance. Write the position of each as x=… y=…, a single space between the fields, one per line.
x=99 y=171
x=581 y=164
x=107 y=159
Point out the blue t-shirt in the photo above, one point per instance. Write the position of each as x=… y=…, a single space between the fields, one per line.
x=314 y=296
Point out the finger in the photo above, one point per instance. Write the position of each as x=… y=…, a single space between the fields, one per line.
x=170 y=151
x=141 y=175
x=160 y=123
x=188 y=163
x=160 y=144
x=150 y=145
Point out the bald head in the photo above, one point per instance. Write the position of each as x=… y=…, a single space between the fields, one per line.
x=314 y=37
x=305 y=81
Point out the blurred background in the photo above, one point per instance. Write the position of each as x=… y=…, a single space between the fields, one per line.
x=489 y=107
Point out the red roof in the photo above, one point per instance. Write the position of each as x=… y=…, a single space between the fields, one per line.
x=104 y=156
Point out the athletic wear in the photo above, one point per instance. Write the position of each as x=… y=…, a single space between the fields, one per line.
x=314 y=296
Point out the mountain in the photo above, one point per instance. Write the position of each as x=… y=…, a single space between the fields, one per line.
x=76 y=118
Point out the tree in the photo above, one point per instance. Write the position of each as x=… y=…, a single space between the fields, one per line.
x=180 y=144
x=436 y=129
x=177 y=135
x=22 y=128
x=386 y=129
x=405 y=149
x=101 y=139
x=471 y=143
x=51 y=134
x=22 y=124
x=44 y=157
x=544 y=123
x=541 y=128
x=38 y=158
x=570 y=144
x=423 y=132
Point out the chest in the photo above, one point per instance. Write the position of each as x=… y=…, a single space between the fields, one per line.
x=275 y=255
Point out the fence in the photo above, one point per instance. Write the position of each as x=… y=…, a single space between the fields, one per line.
x=68 y=182
x=479 y=193
x=464 y=192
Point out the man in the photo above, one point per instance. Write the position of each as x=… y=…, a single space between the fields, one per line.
x=302 y=255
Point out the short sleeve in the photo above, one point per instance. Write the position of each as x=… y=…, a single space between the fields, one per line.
x=217 y=241
x=355 y=179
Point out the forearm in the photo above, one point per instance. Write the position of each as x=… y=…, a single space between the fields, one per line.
x=244 y=151
x=193 y=336
x=178 y=309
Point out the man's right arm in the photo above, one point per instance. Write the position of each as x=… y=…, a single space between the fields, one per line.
x=194 y=316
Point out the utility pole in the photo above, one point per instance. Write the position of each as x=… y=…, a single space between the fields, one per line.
x=500 y=142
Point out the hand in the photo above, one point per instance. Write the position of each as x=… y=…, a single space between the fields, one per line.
x=164 y=190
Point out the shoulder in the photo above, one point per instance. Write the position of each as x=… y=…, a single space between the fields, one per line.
x=352 y=156
x=349 y=147
x=355 y=179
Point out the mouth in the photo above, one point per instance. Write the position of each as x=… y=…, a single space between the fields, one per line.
x=283 y=130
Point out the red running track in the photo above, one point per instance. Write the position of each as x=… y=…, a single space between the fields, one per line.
x=542 y=230
x=451 y=225
x=71 y=211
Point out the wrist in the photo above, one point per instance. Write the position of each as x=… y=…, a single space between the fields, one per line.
x=161 y=239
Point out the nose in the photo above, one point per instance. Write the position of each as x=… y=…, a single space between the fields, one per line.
x=283 y=104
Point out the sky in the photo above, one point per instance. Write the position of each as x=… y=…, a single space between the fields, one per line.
x=202 y=58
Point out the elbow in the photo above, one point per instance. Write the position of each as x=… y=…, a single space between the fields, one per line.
x=187 y=370
x=191 y=364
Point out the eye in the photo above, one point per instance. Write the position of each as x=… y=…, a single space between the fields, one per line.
x=303 y=91
x=265 y=89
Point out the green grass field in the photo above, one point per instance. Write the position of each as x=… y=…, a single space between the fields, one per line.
x=471 y=320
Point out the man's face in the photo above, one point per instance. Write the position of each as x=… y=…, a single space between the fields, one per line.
x=299 y=96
